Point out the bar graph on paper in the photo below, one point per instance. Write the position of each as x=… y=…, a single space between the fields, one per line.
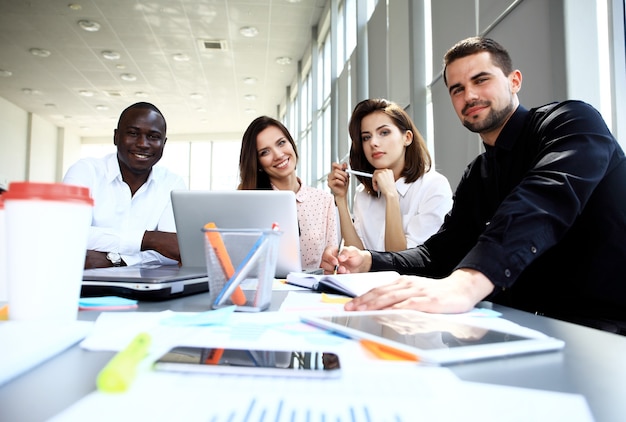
x=280 y=410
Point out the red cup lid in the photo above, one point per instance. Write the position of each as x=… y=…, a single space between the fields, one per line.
x=47 y=192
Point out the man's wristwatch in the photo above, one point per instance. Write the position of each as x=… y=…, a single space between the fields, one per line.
x=115 y=258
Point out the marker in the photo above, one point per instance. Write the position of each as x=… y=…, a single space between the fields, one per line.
x=359 y=173
x=339 y=253
x=237 y=297
x=119 y=373
x=382 y=351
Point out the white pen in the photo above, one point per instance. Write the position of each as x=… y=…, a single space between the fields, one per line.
x=339 y=253
x=359 y=173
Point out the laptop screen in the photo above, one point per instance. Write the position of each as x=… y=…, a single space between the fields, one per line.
x=241 y=209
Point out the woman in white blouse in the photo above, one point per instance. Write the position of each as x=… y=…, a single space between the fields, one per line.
x=404 y=201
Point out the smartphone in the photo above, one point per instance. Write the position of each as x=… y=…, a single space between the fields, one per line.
x=250 y=361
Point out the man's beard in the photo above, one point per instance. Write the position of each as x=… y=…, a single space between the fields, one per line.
x=494 y=120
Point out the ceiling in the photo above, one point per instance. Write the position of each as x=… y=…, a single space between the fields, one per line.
x=161 y=44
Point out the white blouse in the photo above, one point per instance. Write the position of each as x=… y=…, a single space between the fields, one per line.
x=423 y=204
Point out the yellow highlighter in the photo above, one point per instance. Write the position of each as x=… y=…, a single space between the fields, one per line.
x=119 y=373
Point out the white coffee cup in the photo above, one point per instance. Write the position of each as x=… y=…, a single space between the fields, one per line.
x=47 y=225
x=4 y=289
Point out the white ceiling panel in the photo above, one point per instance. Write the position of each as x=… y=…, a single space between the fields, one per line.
x=150 y=36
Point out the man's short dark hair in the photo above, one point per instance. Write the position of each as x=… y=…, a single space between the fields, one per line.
x=144 y=105
x=473 y=45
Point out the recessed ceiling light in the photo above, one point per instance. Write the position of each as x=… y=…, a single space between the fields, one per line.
x=74 y=6
x=249 y=31
x=250 y=97
x=128 y=77
x=141 y=94
x=195 y=96
x=5 y=73
x=89 y=26
x=180 y=57
x=85 y=93
x=50 y=105
x=111 y=55
x=120 y=66
x=102 y=107
x=29 y=91
x=283 y=60
x=250 y=111
x=201 y=110
x=250 y=81
x=40 y=52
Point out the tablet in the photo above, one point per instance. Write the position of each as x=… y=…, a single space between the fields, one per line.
x=250 y=362
x=432 y=338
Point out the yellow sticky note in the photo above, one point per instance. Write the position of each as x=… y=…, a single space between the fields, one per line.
x=332 y=299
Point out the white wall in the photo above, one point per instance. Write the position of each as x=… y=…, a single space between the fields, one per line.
x=13 y=141
x=32 y=148
x=42 y=162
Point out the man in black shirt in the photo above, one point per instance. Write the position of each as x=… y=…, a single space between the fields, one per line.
x=539 y=219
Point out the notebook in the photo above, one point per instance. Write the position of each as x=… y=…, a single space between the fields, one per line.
x=351 y=285
x=241 y=209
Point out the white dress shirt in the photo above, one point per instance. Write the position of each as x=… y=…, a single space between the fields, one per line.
x=423 y=205
x=119 y=220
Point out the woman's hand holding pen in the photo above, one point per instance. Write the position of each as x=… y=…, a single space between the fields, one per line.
x=339 y=180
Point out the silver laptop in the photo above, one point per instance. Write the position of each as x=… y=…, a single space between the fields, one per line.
x=241 y=209
x=151 y=282
x=145 y=282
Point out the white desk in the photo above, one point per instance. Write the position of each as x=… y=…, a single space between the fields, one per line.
x=592 y=364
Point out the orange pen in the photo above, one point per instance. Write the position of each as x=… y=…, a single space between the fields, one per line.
x=382 y=351
x=214 y=357
x=237 y=297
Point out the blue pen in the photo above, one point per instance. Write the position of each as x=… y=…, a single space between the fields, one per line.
x=236 y=278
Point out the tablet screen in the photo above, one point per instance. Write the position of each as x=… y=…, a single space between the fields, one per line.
x=422 y=332
x=432 y=338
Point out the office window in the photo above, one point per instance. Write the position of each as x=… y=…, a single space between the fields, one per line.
x=203 y=165
x=341 y=36
x=214 y=165
x=350 y=35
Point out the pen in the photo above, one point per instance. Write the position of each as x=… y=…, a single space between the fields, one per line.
x=338 y=253
x=359 y=173
x=214 y=357
x=382 y=351
x=215 y=239
x=117 y=375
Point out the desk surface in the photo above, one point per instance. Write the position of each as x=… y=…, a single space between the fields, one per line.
x=591 y=364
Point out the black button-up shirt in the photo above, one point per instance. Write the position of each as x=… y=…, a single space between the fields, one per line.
x=542 y=214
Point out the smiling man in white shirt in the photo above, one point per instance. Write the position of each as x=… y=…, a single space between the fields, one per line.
x=133 y=221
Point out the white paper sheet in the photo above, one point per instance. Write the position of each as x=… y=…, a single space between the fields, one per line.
x=366 y=393
x=26 y=344
x=369 y=389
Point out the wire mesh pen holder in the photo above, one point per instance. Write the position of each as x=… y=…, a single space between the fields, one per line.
x=235 y=255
